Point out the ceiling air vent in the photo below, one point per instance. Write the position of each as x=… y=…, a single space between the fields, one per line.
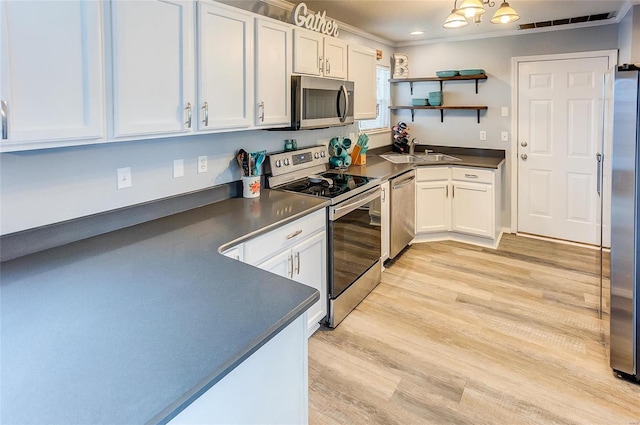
x=567 y=21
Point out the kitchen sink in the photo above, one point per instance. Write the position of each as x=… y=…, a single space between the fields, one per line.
x=399 y=158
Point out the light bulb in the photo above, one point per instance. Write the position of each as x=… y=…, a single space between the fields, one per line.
x=469 y=13
x=504 y=19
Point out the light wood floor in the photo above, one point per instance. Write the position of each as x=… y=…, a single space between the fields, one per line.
x=457 y=334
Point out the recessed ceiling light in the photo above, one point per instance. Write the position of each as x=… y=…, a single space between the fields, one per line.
x=416 y=33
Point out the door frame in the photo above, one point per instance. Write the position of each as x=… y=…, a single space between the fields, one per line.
x=612 y=56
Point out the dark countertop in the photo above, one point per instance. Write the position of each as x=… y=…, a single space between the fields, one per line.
x=379 y=167
x=133 y=325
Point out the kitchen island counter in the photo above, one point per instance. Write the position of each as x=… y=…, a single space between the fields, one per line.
x=133 y=325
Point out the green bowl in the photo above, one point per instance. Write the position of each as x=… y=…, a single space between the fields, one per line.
x=445 y=74
x=468 y=72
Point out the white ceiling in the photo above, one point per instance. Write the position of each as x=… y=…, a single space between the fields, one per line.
x=393 y=20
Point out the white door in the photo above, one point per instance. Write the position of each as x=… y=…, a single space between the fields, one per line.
x=335 y=58
x=433 y=207
x=152 y=67
x=273 y=73
x=52 y=71
x=559 y=133
x=225 y=59
x=310 y=268
x=362 y=71
x=307 y=52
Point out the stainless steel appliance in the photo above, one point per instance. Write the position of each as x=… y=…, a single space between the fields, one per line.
x=354 y=238
x=625 y=222
x=320 y=102
x=403 y=207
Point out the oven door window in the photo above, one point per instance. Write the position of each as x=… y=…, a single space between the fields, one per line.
x=356 y=247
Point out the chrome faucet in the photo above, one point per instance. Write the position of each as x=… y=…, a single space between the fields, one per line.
x=412 y=146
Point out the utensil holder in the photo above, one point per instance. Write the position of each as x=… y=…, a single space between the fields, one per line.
x=250 y=186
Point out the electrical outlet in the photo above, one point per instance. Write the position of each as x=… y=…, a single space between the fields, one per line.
x=483 y=135
x=504 y=136
x=178 y=168
x=202 y=164
x=124 y=177
x=505 y=111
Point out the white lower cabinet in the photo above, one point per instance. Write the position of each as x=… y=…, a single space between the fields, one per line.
x=297 y=250
x=269 y=387
x=461 y=203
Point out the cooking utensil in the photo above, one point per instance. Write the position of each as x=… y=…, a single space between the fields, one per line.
x=316 y=179
x=245 y=161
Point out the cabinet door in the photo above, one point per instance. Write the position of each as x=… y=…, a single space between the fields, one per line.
x=384 y=220
x=335 y=58
x=153 y=73
x=225 y=65
x=51 y=72
x=310 y=268
x=273 y=73
x=280 y=264
x=472 y=209
x=362 y=71
x=433 y=207
x=307 y=52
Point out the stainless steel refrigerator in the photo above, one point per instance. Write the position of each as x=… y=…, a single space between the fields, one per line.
x=625 y=222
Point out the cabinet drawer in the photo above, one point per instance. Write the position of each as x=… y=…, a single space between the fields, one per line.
x=472 y=174
x=261 y=247
x=425 y=174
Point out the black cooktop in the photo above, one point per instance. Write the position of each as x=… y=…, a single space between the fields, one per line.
x=342 y=183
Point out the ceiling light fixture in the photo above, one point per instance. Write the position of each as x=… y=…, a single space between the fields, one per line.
x=454 y=20
x=474 y=9
x=416 y=33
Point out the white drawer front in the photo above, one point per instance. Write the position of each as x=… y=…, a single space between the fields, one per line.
x=478 y=175
x=261 y=247
x=425 y=174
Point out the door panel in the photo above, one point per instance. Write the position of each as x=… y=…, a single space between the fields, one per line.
x=559 y=130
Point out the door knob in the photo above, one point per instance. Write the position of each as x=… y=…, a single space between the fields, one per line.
x=523 y=156
x=523 y=144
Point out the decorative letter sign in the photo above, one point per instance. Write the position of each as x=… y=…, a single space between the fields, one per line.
x=314 y=21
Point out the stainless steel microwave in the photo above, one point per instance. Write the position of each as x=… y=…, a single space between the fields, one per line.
x=320 y=102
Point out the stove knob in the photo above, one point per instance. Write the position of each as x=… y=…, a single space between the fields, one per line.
x=316 y=155
x=286 y=161
x=323 y=154
x=278 y=163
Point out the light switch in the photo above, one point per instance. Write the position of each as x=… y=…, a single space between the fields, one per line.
x=124 y=177
x=178 y=168
x=505 y=111
x=504 y=136
x=483 y=135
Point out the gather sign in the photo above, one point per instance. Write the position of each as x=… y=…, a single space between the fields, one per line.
x=303 y=17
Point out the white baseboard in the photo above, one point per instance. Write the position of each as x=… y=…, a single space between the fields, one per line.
x=459 y=237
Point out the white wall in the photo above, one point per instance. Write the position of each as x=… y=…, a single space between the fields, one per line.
x=629 y=36
x=494 y=55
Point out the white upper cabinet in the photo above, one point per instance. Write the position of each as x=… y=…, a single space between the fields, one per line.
x=225 y=67
x=273 y=73
x=316 y=54
x=335 y=58
x=152 y=62
x=362 y=71
x=51 y=79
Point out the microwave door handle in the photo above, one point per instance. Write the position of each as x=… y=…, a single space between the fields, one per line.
x=343 y=116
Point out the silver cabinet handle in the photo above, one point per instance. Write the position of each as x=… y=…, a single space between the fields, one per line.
x=294 y=234
x=321 y=64
x=5 y=121
x=206 y=114
x=383 y=195
x=523 y=144
x=599 y=175
x=453 y=190
x=377 y=109
x=188 y=108
x=290 y=266
x=261 y=111
x=298 y=263
x=471 y=176
x=446 y=195
x=523 y=156
x=328 y=67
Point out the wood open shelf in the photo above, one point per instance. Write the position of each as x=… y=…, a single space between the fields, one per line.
x=477 y=78
x=442 y=109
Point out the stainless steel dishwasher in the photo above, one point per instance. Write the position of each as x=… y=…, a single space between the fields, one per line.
x=403 y=211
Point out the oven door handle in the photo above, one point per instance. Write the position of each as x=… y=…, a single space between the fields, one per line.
x=353 y=204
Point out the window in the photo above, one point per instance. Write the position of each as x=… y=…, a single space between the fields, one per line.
x=382 y=83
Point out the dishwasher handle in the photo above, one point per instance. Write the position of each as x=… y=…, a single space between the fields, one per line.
x=403 y=182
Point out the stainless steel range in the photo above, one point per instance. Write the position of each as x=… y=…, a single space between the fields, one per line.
x=354 y=237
